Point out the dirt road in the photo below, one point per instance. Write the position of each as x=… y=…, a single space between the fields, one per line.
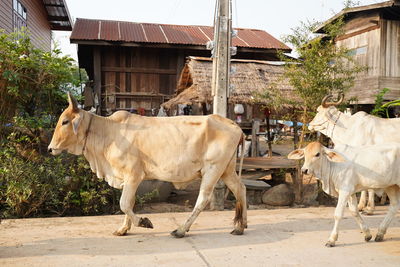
x=282 y=237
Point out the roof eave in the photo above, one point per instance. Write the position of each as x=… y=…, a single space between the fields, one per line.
x=320 y=28
x=54 y=20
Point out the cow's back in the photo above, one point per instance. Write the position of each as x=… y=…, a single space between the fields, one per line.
x=373 y=164
x=177 y=148
x=367 y=129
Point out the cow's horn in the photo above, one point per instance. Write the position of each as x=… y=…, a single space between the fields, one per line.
x=72 y=102
x=326 y=104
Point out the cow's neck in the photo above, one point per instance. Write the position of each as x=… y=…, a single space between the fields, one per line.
x=337 y=126
x=97 y=142
x=97 y=128
x=326 y=174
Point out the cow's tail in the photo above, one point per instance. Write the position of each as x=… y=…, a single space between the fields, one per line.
x=242 y=141
x=238 y=220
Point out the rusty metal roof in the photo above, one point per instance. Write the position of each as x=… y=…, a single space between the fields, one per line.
x=131 y=32
x=58 y=15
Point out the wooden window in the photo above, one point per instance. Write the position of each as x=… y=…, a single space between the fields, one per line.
x=19 y=15
x=358 y=51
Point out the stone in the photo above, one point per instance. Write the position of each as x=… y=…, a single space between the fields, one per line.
x=280 y=195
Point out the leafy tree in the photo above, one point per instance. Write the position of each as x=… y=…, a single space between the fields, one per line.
x=33 y=82
x=320 y=68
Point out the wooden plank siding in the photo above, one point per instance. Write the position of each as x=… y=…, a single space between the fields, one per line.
x=381 y=38
x=37 y=22
x=6 y=15
x=137 y=77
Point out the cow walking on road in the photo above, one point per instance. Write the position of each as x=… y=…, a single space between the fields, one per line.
x=359 y=129
x=125 y=149
x=347 y=170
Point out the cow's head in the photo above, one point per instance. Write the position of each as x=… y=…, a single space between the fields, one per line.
x=66 y=134
x=325 y=114
x=314 y=155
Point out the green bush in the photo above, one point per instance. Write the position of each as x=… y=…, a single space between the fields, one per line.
x=33 y=86
x=35 y=185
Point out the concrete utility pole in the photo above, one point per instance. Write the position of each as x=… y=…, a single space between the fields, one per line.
x=220 y=79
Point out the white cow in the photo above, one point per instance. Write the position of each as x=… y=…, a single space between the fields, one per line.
x=347 y=170
x=355 y=130
x=125 y=149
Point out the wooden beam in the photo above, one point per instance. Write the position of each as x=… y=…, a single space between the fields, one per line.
x=55 y=5
x=147 y=45
x=56 y=27
x=57 y=18
x=140 y=70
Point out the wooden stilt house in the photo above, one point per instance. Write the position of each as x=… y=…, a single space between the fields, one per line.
x=136 y=66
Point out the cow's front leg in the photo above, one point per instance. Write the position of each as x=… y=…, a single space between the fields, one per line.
x=393 y=193
x=127 y=203
x=353 y=209
x=208 y=182
x=343 y=197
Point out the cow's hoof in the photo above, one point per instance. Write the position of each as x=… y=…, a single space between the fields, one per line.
x=378 y=238
x=237 y=232
x=178 y=234
x=330 y=244
x=369 y=212
x=145 y=223
x=119 y=233
x=367 y=238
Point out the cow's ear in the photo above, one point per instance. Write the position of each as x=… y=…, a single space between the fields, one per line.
x=72 y=103
x=334 y=156
x=75 y=123
x=296 y=154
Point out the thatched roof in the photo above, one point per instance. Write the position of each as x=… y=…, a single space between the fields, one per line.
x=248 y=77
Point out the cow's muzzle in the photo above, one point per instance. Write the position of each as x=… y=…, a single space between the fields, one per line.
x=304 y=171
x=53 y=151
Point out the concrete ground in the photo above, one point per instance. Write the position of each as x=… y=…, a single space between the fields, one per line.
x=280 y=237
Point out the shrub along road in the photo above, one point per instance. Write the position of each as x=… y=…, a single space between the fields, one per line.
x=274 y=238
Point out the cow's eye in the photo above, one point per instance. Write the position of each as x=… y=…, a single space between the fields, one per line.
x=317 y=155
x=65 y=122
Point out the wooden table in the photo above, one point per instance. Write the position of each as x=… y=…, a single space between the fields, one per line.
x=275 y=162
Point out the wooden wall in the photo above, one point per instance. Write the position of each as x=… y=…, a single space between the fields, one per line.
x=6 y=15
x=138 y=77
x=37 y=22
x=381 y=39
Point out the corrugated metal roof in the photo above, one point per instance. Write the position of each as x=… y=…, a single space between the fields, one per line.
x=107 y=30
x=58 y=15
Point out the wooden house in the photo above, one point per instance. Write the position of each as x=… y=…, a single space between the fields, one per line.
x=372 y=33
x=249 y=79
x=40 y=17
x=136 y=66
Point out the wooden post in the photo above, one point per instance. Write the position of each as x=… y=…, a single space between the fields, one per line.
x=295 y=134
x=297 y=175
x=221 y=59
x=254 y=138
x=220 y=80
x=97 y=77
x=267 y=116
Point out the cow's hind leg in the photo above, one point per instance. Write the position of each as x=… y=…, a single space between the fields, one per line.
x=210 y=178
x=353 y=209
x=231 y=179
x=371 y=202
x=393 y=193
x=343 y=197
x=363 y=200
x=127 y=203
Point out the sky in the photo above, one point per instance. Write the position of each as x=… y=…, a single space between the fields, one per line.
x=277 y=17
